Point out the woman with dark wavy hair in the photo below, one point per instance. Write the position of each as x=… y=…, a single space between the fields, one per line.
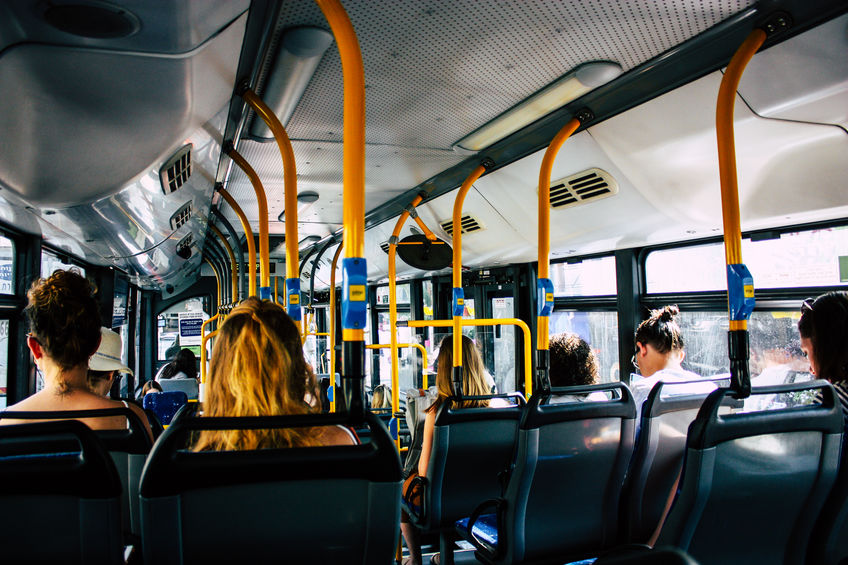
x=824 y=340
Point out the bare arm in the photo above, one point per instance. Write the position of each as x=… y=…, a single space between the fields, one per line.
x=427 y=443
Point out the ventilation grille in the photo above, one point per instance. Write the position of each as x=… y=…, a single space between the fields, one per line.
x=385 y=247
x=181 y=216
x=591 y=184
x=176 y=170
x=469 y=224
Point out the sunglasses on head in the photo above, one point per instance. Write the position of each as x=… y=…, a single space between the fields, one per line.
x=807 y=305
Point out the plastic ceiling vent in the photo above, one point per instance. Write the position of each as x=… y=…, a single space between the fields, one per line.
x=385 y=247
x=181 y=216
x=591 y=184
x=176 y=170
x=469 y=224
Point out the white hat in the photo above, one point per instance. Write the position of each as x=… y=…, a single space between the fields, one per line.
x=108 y=355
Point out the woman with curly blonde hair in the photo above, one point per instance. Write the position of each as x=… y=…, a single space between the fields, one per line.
x=258 y=369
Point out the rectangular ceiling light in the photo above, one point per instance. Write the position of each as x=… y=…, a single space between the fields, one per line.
x=570 y=87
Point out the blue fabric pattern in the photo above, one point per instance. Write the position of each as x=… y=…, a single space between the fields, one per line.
x=485 y=528
x=165 y=404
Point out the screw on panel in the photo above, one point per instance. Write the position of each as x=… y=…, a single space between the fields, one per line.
x=777 y=23
x=584 y=115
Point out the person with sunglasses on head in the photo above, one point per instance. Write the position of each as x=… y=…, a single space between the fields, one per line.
x=659 y=355
x=824 y=340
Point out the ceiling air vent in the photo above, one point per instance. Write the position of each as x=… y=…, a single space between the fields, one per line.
x=469 y=224
x=176 y=170
x=385 y=247
x=181 y=216
x=591 y=184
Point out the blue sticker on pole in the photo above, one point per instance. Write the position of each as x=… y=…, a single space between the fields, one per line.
x=393 y=428
x=331 y=393
x=458 y=302
x=265 y=293
x=354 y=293
x=544 y=297
x=740 y=291
x=293 y=299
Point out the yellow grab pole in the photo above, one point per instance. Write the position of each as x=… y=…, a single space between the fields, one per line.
x=233 y=265
x=276 y=290
x=290 y=189
x=248 y=235
x=354 y=268
x=333 y=328
x=203 y=348
x=217 y=283
x=417 y=346
x=203 y=341
x=458 y=295
x=262 y=202
x=525 y=329
x=393 y=241
x=740 y=284
x=544 y=285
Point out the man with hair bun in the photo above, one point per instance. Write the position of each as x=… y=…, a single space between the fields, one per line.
x=659 y=354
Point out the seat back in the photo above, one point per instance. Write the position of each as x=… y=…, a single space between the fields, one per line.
x=564 y=492
x=338 y=504
x=657 y=456
x=756 y=480
x=128 y=449
x=165 y=404
x=60 y=493
x=472 y=448
x=188 y=386
x=829 y=543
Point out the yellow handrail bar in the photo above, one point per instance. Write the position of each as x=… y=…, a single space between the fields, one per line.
x=248 y=235
x=418 y=346
x=262 y=203
x=525 y=329
x=218 y=304
x=290 y=190
x=231 y=253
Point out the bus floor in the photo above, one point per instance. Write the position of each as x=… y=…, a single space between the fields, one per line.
x=463 y=554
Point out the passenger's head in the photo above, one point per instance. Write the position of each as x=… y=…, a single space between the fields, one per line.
x=106 y=363
x=258 y=369
x=659 y=343
x=64 y=321
x=150 y=386
x=824 y=335
x=474 y=380
x=572 y=361
x=185 y=362
x=381 y=397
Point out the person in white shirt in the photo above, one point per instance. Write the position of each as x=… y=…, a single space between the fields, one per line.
x=659 y=354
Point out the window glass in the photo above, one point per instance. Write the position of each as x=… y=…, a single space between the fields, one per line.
x=401 y=293
x=179 y=328
x=599 y=330
x=775 y=354
x=7 y=266
x=592 y=277
x=4 y=360
x=799 y=259
x=503 y=346
x=50 y=263
x=409 y=364
x=427 y=291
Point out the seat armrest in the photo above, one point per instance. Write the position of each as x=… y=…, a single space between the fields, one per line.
x=417 y=513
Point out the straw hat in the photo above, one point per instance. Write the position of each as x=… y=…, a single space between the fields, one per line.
x=108 y=355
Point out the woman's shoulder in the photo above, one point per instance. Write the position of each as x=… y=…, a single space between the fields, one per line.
x=338 y=435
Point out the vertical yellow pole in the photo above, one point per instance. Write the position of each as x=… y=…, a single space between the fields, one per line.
x=203 y=346
x=248 y=234
x=290 y=180
x=458 y=295
x=354 y=268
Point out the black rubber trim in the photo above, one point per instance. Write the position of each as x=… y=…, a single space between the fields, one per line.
x=132 y=440
x=658 y=405
x=171 y=469
x=710 y=429
x=56 y=458
x=539 y=413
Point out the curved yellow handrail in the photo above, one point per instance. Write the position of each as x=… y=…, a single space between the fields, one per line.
x=218 y=304
x=262 y=203
x=203 y=335
x=417 y=346
x=727 y=153
x=333 y=325
x=233 y=264
x=248 y=235
x=525 y=329
x=457 y=268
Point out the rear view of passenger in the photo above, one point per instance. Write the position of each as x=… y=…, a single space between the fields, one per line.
x=64 y=324
x=258 y=369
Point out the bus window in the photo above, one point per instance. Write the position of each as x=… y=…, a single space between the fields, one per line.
x=590 y=277
x=401 y=293
x=7 y=266
x=4 y=360
x=599 y=330
x=51 y=262
x=176 y=331
x=810 y=258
